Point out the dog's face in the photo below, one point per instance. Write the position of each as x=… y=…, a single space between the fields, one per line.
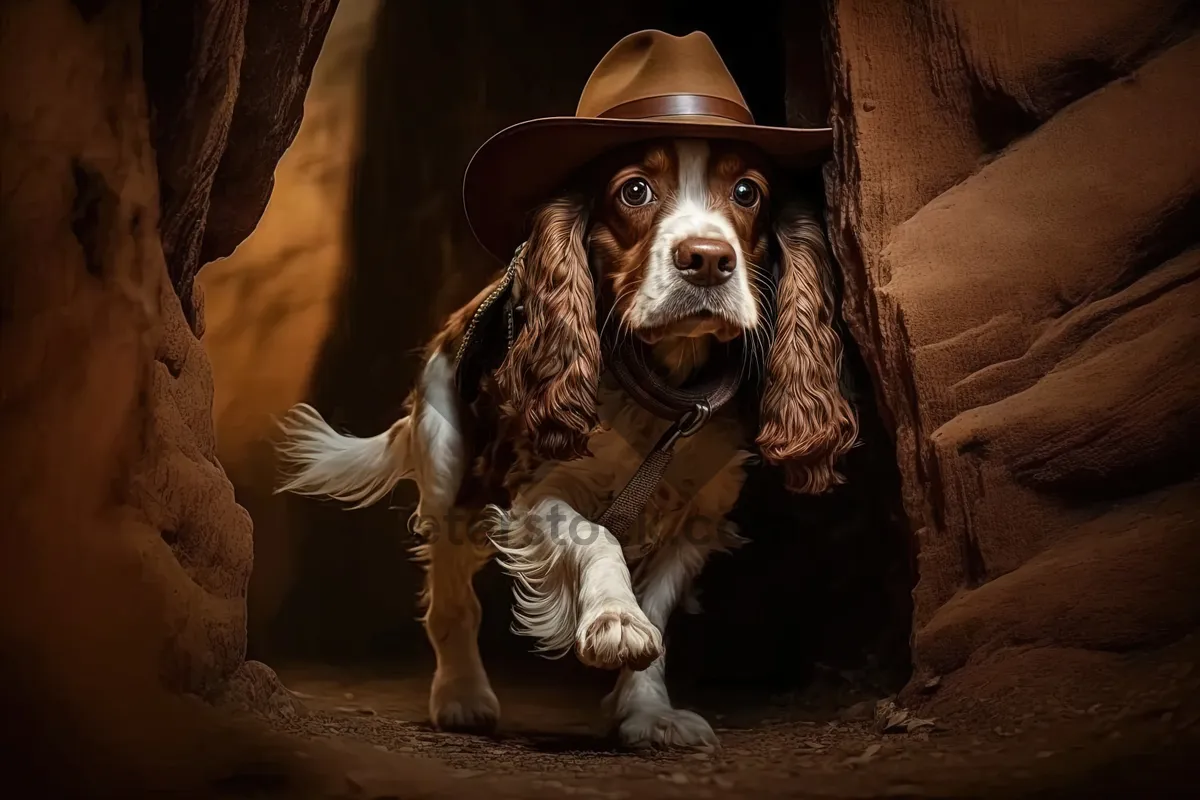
x=679 y=239
x=672 y=240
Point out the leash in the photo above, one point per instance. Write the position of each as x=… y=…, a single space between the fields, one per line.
x=688 y=408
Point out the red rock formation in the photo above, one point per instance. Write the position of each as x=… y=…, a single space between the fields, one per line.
x=126 y=558
x=1014 y=204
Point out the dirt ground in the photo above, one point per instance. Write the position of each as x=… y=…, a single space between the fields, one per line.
x=1139 y=741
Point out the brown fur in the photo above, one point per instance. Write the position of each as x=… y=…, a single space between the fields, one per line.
x=806 y=422
x=551 y=374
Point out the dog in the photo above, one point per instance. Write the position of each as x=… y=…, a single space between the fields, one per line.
x=683 y=248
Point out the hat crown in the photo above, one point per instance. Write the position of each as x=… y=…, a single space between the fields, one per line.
x=651 y=64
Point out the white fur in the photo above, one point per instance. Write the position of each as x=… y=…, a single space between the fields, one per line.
x=664 y=292
x=573 y=586
x=322 y=462
x=439 y=445
x=640 y=705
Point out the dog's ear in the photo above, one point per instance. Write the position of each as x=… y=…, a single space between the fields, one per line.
x=806 y=421
x=550 y=376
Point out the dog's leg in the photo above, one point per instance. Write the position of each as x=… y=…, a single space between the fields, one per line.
x=427 y=447
x=461 y=697
x=573 y=588
x=640 y=705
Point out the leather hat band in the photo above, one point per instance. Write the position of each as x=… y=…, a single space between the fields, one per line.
x=680 y=105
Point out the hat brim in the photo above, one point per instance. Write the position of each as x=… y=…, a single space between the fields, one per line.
x=520 y=167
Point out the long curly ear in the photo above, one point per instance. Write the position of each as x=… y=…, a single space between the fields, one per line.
x=551 y=373
x=806 y=421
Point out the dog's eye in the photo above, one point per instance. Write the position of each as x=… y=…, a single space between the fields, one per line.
x=636 y=192
x=745 y=193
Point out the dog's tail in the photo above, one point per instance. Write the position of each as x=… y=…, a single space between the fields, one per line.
x=316 y=460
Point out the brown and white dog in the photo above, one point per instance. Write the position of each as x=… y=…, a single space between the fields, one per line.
x=671 y=241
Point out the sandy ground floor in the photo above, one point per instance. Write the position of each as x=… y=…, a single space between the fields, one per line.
x=821 y=743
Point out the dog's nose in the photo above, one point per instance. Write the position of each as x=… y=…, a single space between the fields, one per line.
x=705 y=262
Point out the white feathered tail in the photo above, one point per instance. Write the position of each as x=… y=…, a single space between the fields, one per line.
x=316 y=460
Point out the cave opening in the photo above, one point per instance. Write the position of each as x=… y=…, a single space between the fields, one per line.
x=817 y=607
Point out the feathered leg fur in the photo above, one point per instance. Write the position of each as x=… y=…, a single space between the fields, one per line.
x=573 y=587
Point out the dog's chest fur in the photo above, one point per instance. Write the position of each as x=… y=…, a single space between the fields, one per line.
x=701 y=484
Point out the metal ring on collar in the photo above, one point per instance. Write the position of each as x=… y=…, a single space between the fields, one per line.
x=695 y=419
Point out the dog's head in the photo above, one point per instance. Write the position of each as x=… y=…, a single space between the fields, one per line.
x=678 y=243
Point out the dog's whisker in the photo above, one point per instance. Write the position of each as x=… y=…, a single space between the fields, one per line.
x=617 y=302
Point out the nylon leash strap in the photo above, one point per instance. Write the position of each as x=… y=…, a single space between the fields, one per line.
x=629 y=504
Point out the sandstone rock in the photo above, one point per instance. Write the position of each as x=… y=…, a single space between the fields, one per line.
x=227 y=82
x=255 y=688
x=1013 y=203
x=125 y=555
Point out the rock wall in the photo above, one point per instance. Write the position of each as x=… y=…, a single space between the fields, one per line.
x=125 y=556
x=1014 y=201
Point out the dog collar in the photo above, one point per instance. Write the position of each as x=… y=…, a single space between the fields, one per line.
x=688 y=408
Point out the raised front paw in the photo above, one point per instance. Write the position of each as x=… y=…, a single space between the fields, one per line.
x=616 y=637
x=465 y=705
x=667 y=728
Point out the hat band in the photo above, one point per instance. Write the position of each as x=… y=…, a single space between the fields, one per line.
x=680 y=105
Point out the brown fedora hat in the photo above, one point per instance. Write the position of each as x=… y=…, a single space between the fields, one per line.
x=649 y=85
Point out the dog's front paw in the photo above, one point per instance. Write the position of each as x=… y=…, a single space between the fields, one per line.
x=616 y=637
x=667 y=728
x=465 y=705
